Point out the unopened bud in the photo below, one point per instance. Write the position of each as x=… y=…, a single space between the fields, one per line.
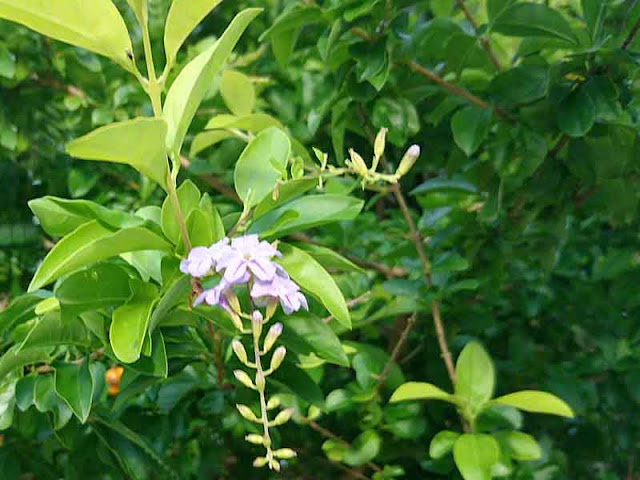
x=274 y=402
x=259 y=462
x=247 y=413
x=283 y=417
x=244 y=379
x=408 y=160
x=358 y=163
x=237 y=321
x=274 y=465
x=239 y=350
x=272 y=306
x=277 y=358
x=379 y=146
x=255 y=439
x=284 y=453
x=256 y=323
x=260 y=381
x=234 y=303
x=272 y=336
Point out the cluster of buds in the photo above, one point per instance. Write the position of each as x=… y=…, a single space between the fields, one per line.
x=356 y=165
x=261 y=348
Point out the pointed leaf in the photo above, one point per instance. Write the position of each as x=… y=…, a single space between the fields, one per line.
x=188 y=198
x=14 y=358
x=238 y=92
x=475 y=374
x=536 y=402
x=138 y=142
x=519 y=446
x=442 y=443
x=529 y=19
x=52 y=331
x=470 y=127
x=74 y=384
x=420 y=391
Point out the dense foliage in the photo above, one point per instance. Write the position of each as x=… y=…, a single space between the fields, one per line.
x=513 y=233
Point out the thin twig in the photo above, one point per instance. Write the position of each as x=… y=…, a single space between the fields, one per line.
x=483 y=40
x=396 y=352
x=631 y=36
x=352 y=303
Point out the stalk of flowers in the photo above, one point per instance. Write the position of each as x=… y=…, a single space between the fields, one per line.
x=247 y=262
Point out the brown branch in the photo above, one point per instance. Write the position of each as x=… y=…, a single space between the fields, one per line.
x=58 y=85
x=396 y=352
x=483 y=40
x=631 y=36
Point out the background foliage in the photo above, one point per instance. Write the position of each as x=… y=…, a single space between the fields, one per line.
x=525 y=196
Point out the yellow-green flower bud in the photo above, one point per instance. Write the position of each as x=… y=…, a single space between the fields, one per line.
x=244 y=379
x=239 y=350
x=277 y=358
x=379 y=146
x=408 y=160
x=274 y=402
x=272 y=336
x=247 y=413
x=260 y=381
x=237 y=321
x=259 y=462
x=233 y=301
x=358 y=164
x=283 y=417
x=284 y=453
x=256 y=323
x=274 y=465
x=255 y=439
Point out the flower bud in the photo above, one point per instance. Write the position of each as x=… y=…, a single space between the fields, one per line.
x=260 y=381
x=274 y=402
x=234 y=303
x=247 y=413
x=237 y=321
x=256 y=323
x=379 y=146
x=408 y=160
x=274 y=465
x=358 y=163
x=255 y=439
x=259 y=462
x=277 y=358
x=244 y=379
x=272 y=306
x=284 y=453
x=272 y=336
x=239 y=350
x=283 y=417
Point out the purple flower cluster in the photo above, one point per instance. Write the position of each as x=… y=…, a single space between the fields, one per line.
x=244 y=260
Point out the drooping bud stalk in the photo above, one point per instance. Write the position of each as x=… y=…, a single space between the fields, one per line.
x=240 y=352
x=408 y=160
x=283 y=417
x=277 y=358
x=284 y=453
x=358 y=164
x=379 y=146
x=256 y=323
x=272 y=335
x=247 y=413
x=244 y=379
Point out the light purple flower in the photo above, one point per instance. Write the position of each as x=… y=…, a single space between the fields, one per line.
x=281 y=288
x=214 y=296
x=198 y=263
x=248 y=254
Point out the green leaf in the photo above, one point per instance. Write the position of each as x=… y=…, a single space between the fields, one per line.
x=290 y=378
x=475 y=375
x=20 y=310
x=470 y=127
x=205 y=140
x=183 y=17
x=436 y=185
x=92 y=243
x=141 y=9
x=238 y=92
x=287 y=191
x=520 y=446
x=188 y=198
x=52 y=331
x=474 y=455
x=577 y=113
x=310 y=211
x=138 y=142
x=522 y=84
x=442 y=443
x=7 y=63
x=255 y=122
x=255 y=176
x=7 y=401
x=191 y=86
x=527 y=19
x=14 y=358
x=330 y=259
x=131 y=320
x=420 y=391
x=307 y=335
x=74 y=384
x=536 y=402
x=101 y=286
x=176 y=294
x=310 y=275
x=214 y=220
x=96 y=26
x=46 y=400
x=298 y=16
x=363 y=449
x=496 y=7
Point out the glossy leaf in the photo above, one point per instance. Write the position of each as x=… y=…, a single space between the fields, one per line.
x=141 y=9
x=470 y=128
x=528 y=19
x=520 y=446
x=52 y=331
x=254 y=122
x=308 y=335
x=74 y=384
x=204 y=140
x=311 y=277
x=364 y=449
x=238 y=92
x=420 y=391
x=442 y=443
x=138 y=143
x=475 y=454
x=188 y=198
x=96 y=26
x=536 y=402
x=577 y=113
x=191 y=86
x=14 y=358
x=92 y=243
x=475 y=375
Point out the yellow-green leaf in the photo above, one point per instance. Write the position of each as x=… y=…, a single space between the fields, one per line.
x=255 y=122
x=95 y=25
x=139 y=143
x=474 y=455
x=238 y=92
x=141 y=9
x=420 y=391
x=536 y=402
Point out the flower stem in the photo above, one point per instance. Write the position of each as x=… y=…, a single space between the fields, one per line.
x=264 y=417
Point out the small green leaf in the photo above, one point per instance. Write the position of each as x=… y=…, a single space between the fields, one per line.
x=175 y=294
x=536 y=402
x=254 y=176
x=255 y=122
x=74 y=384
x=310 y=275
x=183 y=17
x=475 y=375
x=527 y=19
x=470 y=127
x=7 y=401
x=330 y=259
x=95 y=25
x=53 y=331
x=238 y=92
x=522 y=84
x=131 y=320
x=92 y=243
x=442 y=443
x=14 y=358
x=577 y=113
x=474 y=455
x=194 y=81
x=204 y=140
x=307 y=335
x=420 y=391
x=138 y=142
x=188 y=198
x=363 y=449
x=520 y=446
